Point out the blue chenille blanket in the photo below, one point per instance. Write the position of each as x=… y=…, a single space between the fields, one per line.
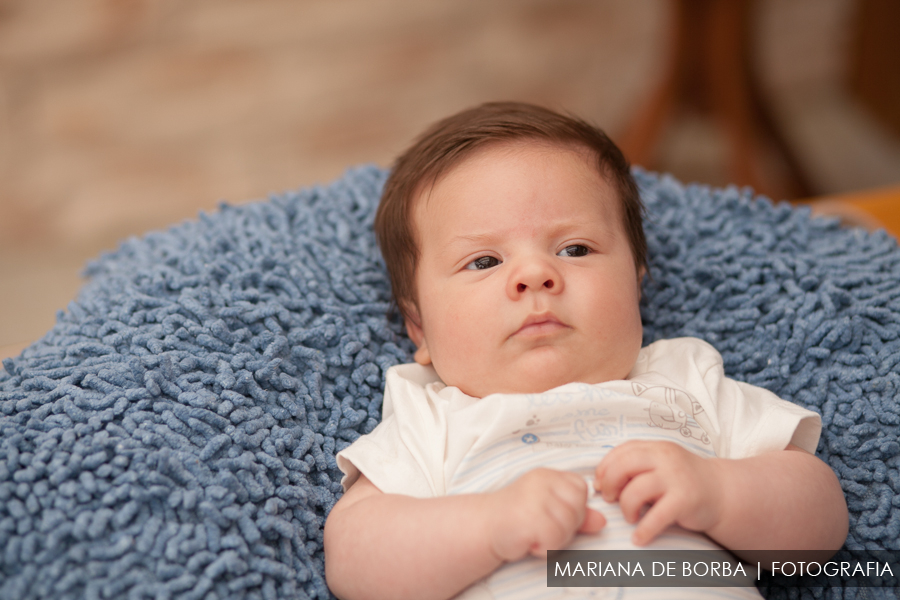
x=173 y=436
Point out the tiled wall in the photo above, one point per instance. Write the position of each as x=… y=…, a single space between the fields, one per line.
x=121 y=116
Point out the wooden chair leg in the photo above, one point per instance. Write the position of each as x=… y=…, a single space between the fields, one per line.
x=710 y=71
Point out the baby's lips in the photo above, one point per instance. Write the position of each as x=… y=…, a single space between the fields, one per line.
x=537 y=324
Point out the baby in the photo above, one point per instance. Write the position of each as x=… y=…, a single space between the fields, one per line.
x=515 y=247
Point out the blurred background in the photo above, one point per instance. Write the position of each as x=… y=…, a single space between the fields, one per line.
x=122 y=116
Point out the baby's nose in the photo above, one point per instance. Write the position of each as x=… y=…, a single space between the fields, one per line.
x=535 y=275
x=524 y=286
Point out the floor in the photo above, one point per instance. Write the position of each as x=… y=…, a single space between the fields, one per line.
x=118 y=117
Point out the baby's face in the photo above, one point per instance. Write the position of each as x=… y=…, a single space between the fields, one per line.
x=525 y=279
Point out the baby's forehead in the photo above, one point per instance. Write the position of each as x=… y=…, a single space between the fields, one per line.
x=495 y=153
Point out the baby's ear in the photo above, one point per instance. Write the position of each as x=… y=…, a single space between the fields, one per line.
x=415 y=333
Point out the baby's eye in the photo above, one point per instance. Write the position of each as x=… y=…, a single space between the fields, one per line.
x=483 y=262
x=574 y=250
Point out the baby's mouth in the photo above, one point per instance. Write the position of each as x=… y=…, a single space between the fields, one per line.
x=540 y=325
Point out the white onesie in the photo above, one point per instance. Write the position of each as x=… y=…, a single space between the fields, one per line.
x=434 y=441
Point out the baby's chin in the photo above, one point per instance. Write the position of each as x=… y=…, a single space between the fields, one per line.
x=534 y=372
x=533 y=383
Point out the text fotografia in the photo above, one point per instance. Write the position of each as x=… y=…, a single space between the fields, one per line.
x=831 y=568
x=847 y=568
x=719 y=568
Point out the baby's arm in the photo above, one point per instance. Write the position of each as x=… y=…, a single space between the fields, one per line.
x=381 y=545
x=785 y=500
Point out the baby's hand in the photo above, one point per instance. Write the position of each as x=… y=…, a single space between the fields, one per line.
x=540 y=511
x=680 y=486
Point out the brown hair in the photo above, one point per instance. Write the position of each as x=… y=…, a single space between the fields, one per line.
x=450 y=140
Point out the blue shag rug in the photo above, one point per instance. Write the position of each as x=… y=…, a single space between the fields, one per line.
x=173 y=436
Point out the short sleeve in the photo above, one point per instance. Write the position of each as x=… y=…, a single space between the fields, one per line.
x=760 y=421
x=386 y=461
x=741 y=419
x=405 y=453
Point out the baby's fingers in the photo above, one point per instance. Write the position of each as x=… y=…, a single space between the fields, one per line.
x=642 y=490
x=593 y=522
x=565 y=512
x=655 y=521
x=555 y=530
x=616 y=470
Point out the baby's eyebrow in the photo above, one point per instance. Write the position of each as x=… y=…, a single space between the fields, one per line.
x=561 y=228
x=471 y=238
x=464 y=242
